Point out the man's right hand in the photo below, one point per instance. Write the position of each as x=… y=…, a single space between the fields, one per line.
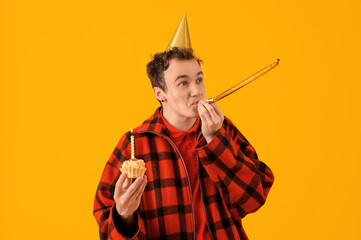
x=127 y=195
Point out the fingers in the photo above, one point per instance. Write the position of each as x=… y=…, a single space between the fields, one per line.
x=128 y=201
x=127 y=183
x=212 y=119
x=203 y=113
x=208 y=112
x=211 y=110
x=119 y=184
x=218 y=110
x=136 y=188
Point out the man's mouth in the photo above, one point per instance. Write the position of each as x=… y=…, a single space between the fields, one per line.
x=195 y=103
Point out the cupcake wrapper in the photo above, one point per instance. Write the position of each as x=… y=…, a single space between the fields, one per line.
x=133 y=172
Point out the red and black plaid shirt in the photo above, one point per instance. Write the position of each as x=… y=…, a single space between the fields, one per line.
x=232 y=179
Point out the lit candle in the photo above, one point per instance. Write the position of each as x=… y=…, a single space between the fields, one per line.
x=132 y=143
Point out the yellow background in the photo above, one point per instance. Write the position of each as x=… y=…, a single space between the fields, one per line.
x=73 y=80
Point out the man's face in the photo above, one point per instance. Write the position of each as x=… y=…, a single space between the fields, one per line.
x=185 y=87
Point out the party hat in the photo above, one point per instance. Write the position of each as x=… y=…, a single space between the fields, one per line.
x=181 y=36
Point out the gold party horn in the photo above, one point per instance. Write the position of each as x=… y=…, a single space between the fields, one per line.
x=243 y=83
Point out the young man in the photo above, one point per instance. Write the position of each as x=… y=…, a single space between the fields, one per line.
x=202 y=177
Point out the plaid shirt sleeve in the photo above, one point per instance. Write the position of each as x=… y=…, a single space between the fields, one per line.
x=104 y=209
x=232 y=164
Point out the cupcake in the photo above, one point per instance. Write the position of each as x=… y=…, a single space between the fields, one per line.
x=133 y=168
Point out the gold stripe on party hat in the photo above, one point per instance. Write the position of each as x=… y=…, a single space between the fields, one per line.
x=181 y=36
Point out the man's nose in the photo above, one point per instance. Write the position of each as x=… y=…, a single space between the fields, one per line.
x=196 y=90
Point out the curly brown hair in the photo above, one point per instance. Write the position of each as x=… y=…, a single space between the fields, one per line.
x=160 y=63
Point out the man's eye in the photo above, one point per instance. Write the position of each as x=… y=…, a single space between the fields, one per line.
x=183 y=84
x=200 y=80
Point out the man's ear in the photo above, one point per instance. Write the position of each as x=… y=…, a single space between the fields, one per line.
x=159 y=94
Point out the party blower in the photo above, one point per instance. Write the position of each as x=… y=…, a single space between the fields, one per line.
x=244 y=82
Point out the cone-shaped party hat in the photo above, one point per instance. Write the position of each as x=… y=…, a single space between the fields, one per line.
x=181 y=36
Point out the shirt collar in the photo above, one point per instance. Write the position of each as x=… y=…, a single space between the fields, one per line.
x=155 y=124
x=176 y=133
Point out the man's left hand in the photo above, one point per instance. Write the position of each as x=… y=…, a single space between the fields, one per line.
x=212 y=119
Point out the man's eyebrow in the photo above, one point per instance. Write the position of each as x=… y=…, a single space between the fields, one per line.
x=181 y=76
x=186 y=76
